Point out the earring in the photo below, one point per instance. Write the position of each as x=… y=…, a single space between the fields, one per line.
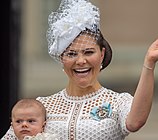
x=101 y=66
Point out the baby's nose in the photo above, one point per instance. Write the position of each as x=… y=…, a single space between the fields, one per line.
x=24 y=124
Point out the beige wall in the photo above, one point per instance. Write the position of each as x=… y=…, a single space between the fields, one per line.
x=129 y=21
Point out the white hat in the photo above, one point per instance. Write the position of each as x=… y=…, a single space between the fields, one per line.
x=72 y=17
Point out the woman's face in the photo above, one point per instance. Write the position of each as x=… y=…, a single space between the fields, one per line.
x=82 y=61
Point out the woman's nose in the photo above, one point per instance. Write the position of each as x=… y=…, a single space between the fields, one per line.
x=81 y=59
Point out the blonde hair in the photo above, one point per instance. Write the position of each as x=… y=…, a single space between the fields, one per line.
x=25 y=103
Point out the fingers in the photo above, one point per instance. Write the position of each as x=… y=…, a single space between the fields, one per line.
x=152 y=55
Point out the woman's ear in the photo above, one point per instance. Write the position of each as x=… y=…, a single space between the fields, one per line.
x=103 y=53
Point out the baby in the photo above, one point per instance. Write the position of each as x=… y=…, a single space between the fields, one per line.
x=28 y=120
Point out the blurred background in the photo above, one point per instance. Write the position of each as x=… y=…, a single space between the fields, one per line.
x=28 y=71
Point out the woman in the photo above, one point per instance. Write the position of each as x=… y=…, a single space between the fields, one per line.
x=85 y=109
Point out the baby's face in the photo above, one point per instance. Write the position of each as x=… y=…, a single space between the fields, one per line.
x=27 y=122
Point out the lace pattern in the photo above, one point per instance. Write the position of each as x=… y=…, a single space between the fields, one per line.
x=9 y=135
x=82 y=97
x=70 y=119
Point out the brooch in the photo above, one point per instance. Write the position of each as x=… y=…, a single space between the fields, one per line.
x=101 y=112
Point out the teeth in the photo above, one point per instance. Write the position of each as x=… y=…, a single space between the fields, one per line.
x=81 y=70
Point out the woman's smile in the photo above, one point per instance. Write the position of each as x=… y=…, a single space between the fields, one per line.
x=82 y=72
x=82 y=61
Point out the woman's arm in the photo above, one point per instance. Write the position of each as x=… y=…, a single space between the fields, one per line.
x=142 y=100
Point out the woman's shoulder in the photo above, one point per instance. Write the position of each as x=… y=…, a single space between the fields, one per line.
x=118 y=94
x=49 y=97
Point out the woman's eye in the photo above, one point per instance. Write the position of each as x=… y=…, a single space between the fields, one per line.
x=71 y=54
x=88 y=53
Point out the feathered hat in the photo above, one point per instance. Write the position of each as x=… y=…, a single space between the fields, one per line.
x=71 y=18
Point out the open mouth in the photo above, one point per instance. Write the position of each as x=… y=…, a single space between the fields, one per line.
x=82 y=71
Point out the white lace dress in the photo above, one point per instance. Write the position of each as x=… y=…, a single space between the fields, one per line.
x=70 y=118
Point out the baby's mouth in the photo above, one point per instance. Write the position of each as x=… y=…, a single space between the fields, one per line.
x=24 y=131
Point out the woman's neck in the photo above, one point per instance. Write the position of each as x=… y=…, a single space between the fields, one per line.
x=73 y=90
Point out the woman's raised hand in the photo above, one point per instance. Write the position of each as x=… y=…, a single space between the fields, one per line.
x=152 y=55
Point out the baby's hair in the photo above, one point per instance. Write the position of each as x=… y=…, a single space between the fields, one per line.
x=25 y=103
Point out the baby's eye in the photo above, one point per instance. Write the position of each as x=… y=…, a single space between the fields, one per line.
x=19 y=121
x=31 y=121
